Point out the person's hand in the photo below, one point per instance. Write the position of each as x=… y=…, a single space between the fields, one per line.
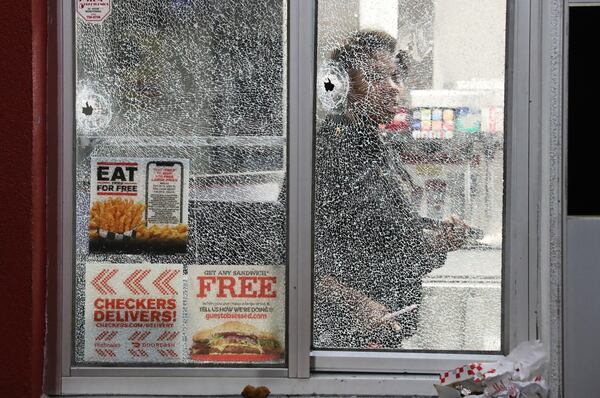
x=368 y=313
x=453 y=234
x=373 y=314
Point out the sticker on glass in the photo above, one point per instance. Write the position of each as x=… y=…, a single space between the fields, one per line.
x=139 y=205
x=94 y=11
x=133 y=312
x=236 y=314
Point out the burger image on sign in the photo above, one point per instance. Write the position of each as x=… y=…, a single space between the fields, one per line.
x=235 y=342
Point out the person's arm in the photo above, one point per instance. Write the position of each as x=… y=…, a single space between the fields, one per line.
x=434 y=250
x=450 y=235
x=436 y=239
x=368 y=313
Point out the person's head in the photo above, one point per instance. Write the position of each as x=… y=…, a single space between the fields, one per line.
x=369 y=59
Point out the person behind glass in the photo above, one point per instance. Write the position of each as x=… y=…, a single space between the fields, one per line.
x=371 y=249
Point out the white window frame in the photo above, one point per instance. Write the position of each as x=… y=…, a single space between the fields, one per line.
x=308 y=372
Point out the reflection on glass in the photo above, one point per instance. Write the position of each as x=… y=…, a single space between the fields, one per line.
x=183 y=103
x=408 y=184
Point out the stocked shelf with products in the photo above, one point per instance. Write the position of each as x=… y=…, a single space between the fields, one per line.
x=451 y=144
x=445 y=123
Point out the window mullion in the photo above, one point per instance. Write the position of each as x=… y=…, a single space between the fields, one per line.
x=516 y=278
x=301 y=58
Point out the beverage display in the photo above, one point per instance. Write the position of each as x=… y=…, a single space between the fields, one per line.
x=443 y=123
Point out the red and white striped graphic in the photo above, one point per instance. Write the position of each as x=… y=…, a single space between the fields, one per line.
x=167 y=336
x=162 y=282
x=133 y=281
x=106 y=335
x=138 y=353
x=168 y=353
x=105 y=353
x=100 y=281
x=138 y=336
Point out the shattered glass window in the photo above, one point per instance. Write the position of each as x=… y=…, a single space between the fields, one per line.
x=181 y=117
x=409 y=175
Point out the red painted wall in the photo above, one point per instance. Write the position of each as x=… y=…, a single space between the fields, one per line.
x=22 y=195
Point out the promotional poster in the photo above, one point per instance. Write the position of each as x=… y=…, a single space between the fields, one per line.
x=236 y=314
x=133 y=312
x=139 y=205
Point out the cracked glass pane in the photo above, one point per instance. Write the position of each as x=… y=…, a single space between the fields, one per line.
x=409 y=175
x=181 y=131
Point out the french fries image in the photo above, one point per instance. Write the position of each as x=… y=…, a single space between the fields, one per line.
x=177 y=232
x=122 y=215
x=116 y=215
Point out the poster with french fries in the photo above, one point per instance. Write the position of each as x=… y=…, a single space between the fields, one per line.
x=139 y=205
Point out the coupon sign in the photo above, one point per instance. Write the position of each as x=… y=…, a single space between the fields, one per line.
x=139 y=205
x=164 y=192
x=133 y=312
x=236 y=314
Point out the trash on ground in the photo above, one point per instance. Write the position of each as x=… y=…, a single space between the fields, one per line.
x=518 y=375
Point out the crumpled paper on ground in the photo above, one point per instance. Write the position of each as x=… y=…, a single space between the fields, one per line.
x=518 y=375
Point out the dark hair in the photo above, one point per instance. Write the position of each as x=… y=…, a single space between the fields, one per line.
x=362 y=45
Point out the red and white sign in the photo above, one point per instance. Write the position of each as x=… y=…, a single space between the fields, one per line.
x=232 y=303
x=94 y=10
x=133 y=312
x=138 y=205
